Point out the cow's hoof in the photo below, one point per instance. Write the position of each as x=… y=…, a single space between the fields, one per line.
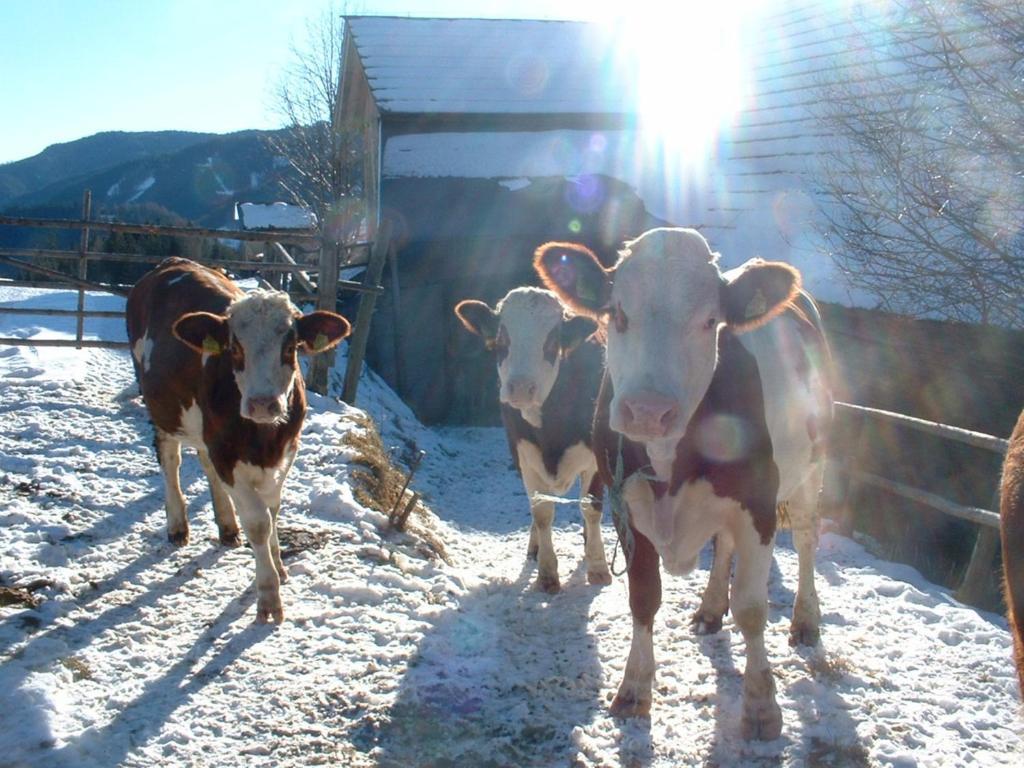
x=624 y=705
x=761 y=721
x=601 y=578
x=550 y=584
x=801 y=633
x=178 y=538
x=267 y=611
x=230 y=539
x=706 y=623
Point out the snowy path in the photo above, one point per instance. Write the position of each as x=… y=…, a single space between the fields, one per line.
x=141 y=654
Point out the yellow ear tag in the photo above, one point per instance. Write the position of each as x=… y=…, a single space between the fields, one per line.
x=211 y=346
x=320 y=342
x=757 y=306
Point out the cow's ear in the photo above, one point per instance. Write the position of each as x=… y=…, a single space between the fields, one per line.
x=759 y=291
x=321 y=330
x=576 y=276
x=204 y=332
x=478 y=318
x=576 y=330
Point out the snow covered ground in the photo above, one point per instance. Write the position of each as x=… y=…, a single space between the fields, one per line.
x=142 y=654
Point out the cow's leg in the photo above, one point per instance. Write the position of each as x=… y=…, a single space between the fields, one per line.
x=762 y=718
x=223 y=507
x=258 y=523
x=543 y=517
x=804 y=518
x=275 y=509
x=593 y=546
x=168 y=451
x=634 y=695
x=708 y=618
x=532 y=547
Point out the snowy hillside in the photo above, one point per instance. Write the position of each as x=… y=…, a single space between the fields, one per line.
x=141 y=654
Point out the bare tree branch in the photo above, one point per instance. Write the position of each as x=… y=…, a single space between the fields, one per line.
x=924 y=189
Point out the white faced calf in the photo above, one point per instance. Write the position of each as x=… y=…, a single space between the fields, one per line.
x=717 y=412
x=218 y=372
x=549 y=370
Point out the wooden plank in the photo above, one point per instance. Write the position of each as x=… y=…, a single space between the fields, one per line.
x=60 y=312
x=15 y=342
x=976 y=586
x=972 y=514
x=977 y=439
x=117 y=290
x=83 y=265
x=361 y=332
x=298 y=275
x=306 y=237
x=326 y=298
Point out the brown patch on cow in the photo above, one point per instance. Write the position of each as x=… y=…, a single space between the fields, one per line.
x=735 y=391
x=378 y=485
x=1011 y=511
x=176 y=370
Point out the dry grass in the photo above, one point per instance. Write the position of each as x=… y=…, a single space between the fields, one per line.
x=828 y=668
x=378 y=485
x=824 y=754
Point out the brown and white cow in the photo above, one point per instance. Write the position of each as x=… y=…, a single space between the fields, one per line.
x=549 y=368
x=713 y=415
x=218 y=372
x=1011 y=528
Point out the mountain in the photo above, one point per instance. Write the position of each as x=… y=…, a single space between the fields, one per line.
x=199 y=180
x=62 y=162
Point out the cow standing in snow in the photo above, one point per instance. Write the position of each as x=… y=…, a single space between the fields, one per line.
x=549 y=368
x=1011 y=528
x=218 y=372
x=713 y=409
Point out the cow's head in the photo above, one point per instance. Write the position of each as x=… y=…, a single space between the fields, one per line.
x=530 y=334
x=664 y=303
x=262 y=332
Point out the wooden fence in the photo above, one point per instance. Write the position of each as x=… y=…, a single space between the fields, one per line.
x=270 y=269
x=976 y=578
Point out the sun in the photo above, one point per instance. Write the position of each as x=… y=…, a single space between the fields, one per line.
x=691 y=72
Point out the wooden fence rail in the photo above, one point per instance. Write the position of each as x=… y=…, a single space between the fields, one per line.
x=973 y=587
x=321 y=259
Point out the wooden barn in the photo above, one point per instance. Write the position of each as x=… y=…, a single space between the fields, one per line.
x=481 y=139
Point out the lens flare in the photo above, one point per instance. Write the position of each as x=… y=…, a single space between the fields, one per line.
x=723 y=438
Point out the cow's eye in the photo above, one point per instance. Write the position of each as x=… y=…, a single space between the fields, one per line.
x=552 y=346
x=237 y=354
x=501 y=343
x=620 y=319
x=711 y=323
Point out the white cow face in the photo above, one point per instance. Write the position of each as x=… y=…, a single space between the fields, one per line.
x=664 y=304
x=262 y=332
x=530 y=334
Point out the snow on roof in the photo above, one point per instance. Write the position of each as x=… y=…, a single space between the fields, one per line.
x=275 y=216
x=494 y=66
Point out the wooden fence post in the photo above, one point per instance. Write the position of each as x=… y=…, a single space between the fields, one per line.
x=361 y=327
x=83 y=264
x=976 y=587
x=326 y=298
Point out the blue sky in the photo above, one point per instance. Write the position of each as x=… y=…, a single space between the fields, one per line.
x=72 y=68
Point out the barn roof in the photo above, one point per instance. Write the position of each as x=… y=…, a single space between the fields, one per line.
x=490 y=66
x=752 y=191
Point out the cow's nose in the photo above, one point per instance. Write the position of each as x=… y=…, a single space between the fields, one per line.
x=648 y=414
x=521 y=390
x=264 y=408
